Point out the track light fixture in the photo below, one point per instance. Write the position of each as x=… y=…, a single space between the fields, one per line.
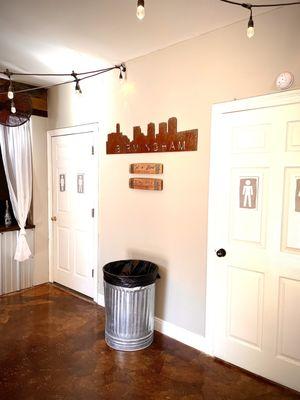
x=249 y=6
x=140 y=9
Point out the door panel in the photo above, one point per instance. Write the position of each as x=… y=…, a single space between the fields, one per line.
x=255 y=196
x=291 y=214
x=293 y=136
x=245 y=292
x=74 y=193
x=288 y=347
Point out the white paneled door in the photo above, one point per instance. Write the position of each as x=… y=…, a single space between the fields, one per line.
x=254 y=237
x=74 y=202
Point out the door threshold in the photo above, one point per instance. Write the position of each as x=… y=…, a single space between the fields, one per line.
x=73 y=292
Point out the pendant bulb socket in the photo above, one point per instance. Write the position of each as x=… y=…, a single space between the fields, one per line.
x=77 y=85
x=250 y=29
x=10 y=93
x=140 y=10
x=78 y=88
x=13 y=108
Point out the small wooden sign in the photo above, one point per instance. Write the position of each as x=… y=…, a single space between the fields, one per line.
x=146 y=183
x=146 y=168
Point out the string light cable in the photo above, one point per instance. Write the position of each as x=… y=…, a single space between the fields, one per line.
x=10 y=92
x=76 y=78
x=249 y=6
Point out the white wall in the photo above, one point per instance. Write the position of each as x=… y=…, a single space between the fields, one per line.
x=40 y=199
x=184 y=80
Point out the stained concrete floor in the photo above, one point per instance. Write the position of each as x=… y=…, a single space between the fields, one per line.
x=52 y=347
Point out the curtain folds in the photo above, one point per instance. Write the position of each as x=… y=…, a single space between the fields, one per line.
x=17 y=160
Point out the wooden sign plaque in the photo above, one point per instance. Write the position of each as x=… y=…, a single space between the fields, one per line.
x=146 y=183
x=166 y=140
x=146 y=168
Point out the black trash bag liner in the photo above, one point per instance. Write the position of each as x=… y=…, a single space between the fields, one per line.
x=130 y=273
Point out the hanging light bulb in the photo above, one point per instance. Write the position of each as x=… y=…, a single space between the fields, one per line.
x=10 y=93
x=78 y=88
x=250 y=29
x=140 y=10
x=13 y=107
x=77 y=85
x=122 y=74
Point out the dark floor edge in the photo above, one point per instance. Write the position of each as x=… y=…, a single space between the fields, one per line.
x=73 y=292
x=252 y=374
x=24 y=290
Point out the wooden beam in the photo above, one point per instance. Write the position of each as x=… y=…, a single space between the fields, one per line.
x=38 y=97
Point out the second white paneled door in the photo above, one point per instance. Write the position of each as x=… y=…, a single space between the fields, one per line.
x=74 y=202
x=255 y=218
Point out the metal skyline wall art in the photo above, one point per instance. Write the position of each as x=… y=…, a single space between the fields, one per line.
x=168 y=139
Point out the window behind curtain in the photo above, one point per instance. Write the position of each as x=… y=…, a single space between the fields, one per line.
x=4 y=195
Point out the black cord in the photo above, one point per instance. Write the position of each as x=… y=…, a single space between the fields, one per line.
x=89 y=74
x=30 y=74
x=249 y=6
x=8 y=73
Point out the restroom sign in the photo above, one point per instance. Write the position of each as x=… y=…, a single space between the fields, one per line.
x=248 y=192
x=62 y=182
x=80 y=183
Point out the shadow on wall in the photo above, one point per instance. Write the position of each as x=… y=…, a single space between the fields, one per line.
x=161 y=284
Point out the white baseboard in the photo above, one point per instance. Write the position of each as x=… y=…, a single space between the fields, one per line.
x=175 y=332
x=100 y=300
x=182 y=335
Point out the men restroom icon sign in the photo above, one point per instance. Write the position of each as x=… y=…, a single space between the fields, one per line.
x=248 y=192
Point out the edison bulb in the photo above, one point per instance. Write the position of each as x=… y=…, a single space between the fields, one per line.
x=13 y=109
x=10 y=94
x=140 y=11
x=250 y=32
x=78 y=88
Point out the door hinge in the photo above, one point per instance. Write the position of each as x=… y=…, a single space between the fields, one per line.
x=93 y=213
x=93 y=271
x=93 y=150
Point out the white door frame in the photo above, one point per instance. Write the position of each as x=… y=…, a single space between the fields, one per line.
x=218 y=110
x=82 y=129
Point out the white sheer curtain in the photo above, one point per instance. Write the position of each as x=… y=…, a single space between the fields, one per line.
x=17 y=160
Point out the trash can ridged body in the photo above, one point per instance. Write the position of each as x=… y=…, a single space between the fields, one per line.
x=129 y=316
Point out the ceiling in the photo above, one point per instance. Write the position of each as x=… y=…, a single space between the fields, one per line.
x=61 y=35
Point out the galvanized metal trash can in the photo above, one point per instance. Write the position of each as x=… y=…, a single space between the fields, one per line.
x=129 y=292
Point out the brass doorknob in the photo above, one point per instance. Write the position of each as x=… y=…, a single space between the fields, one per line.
x=53 y=219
